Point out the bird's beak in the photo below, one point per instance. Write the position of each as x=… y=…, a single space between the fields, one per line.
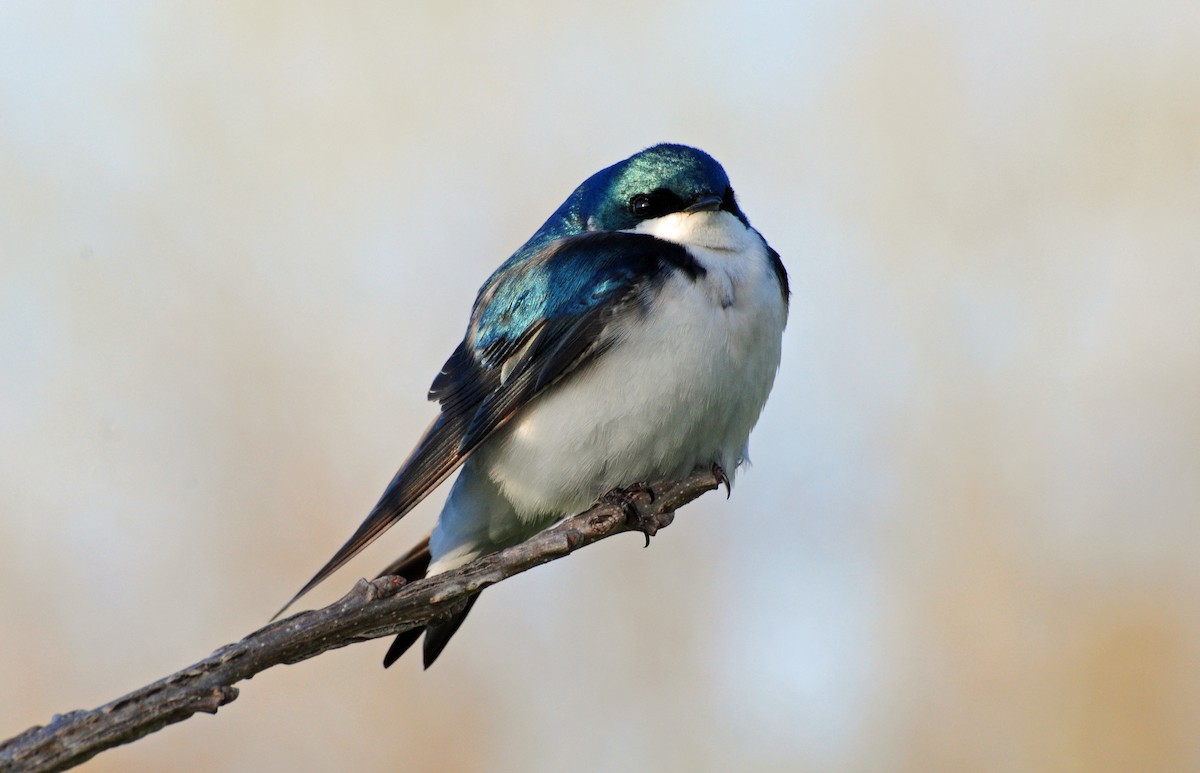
x=705 y=204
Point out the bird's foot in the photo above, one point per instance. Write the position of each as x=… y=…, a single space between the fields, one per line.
x=722 y=479
x=646 y=523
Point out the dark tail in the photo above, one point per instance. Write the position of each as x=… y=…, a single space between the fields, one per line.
x=412 y=566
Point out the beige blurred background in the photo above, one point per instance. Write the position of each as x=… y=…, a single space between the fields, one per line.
x=237 y=240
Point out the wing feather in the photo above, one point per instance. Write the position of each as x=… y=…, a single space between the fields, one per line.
x=535 y=321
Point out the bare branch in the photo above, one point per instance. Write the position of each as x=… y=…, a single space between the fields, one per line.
x=383 y=607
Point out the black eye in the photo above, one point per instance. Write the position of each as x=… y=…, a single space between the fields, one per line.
x=656 y=203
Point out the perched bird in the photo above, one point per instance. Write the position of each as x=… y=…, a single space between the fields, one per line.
x=634 y=337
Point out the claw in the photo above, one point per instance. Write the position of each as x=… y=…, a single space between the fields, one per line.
x=719 y=473
x=623 y=498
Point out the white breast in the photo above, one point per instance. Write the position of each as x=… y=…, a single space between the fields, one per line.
x=682 y=386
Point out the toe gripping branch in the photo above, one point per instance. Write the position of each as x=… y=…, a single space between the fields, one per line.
x=722 y=479
x=640 y=515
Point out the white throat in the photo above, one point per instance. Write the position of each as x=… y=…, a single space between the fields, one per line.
x=712 y=230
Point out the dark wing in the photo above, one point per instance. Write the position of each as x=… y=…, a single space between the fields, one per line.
x=535 y=321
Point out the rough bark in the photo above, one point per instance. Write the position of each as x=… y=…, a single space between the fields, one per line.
x=382 y=607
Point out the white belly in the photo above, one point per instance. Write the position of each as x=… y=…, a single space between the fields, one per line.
x=682 y=387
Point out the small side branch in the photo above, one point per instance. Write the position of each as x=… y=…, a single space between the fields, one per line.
x=383 y=607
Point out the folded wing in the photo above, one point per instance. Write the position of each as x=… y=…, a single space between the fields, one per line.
x=535 y=321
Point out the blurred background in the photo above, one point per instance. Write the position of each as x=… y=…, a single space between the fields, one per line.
x=237 y=240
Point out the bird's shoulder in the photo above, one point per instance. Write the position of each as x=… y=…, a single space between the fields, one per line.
x=564 y=279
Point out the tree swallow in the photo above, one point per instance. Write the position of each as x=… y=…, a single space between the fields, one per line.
x=634 y=337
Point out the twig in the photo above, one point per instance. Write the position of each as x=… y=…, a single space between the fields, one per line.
x=382 y=607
